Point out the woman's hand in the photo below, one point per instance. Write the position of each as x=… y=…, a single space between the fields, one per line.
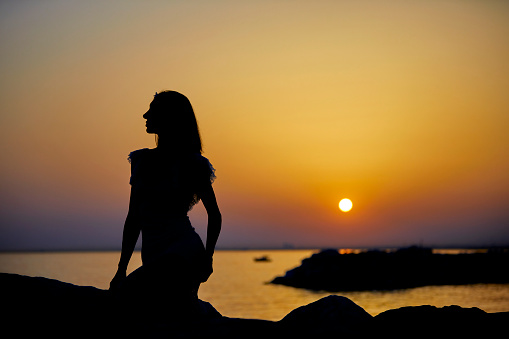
x=117 y=280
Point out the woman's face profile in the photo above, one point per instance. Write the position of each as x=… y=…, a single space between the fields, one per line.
x=154 y=117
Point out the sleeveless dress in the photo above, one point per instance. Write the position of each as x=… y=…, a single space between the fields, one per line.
x=165 y=189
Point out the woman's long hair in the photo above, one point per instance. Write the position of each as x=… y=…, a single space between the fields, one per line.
x=180 y=128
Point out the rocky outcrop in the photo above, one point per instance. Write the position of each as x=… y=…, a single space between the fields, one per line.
x=330 y=315
x=446 y=322
x=410 y=267
x=40 y=307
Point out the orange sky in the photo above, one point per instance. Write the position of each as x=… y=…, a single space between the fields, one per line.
x=401 y=106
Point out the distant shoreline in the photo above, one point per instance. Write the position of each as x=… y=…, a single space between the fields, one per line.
x=437 y=249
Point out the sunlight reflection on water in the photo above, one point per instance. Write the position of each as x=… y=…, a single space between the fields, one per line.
x=238 y=286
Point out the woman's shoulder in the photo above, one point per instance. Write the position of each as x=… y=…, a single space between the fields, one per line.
x=196 y=159
x=134 y=156
x=203 y=165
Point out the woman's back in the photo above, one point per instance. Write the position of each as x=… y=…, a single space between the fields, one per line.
x=167 y=185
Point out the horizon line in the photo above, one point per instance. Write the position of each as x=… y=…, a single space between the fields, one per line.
x=268 y=248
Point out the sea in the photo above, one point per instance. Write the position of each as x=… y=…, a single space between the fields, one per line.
x=239 y=286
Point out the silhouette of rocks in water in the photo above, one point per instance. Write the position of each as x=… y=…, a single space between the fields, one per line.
x=410 y=267
x=39 y=307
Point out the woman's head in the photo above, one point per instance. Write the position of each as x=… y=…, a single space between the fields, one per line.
x=172 y=118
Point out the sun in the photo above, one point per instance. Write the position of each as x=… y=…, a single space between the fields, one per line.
x=345 y=205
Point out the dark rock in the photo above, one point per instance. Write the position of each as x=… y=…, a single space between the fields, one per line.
x=332 y=315
x=446 y=322
x=41 y=307
x=405 y=268
x=36 y=305
x=234 y=328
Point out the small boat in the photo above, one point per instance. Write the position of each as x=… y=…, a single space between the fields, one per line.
x=263 y=258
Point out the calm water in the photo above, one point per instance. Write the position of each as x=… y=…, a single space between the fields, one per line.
x=238 y=286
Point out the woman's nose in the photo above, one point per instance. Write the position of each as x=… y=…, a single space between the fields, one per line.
x=145 y=116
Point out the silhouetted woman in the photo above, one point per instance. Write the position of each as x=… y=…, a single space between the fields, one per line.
x=165 y=184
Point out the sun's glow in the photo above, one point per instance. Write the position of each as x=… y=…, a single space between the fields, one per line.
x=345 y=205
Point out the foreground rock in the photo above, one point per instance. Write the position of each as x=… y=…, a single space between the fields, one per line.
x=405 y=268
x=445 y=322
x=40 y=307
x=330 y=315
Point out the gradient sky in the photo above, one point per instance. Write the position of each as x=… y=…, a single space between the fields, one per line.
x=401 y=106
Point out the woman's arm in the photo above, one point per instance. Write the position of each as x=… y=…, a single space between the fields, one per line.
x=214 y=218
x=213 y=228
x=129 y=238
